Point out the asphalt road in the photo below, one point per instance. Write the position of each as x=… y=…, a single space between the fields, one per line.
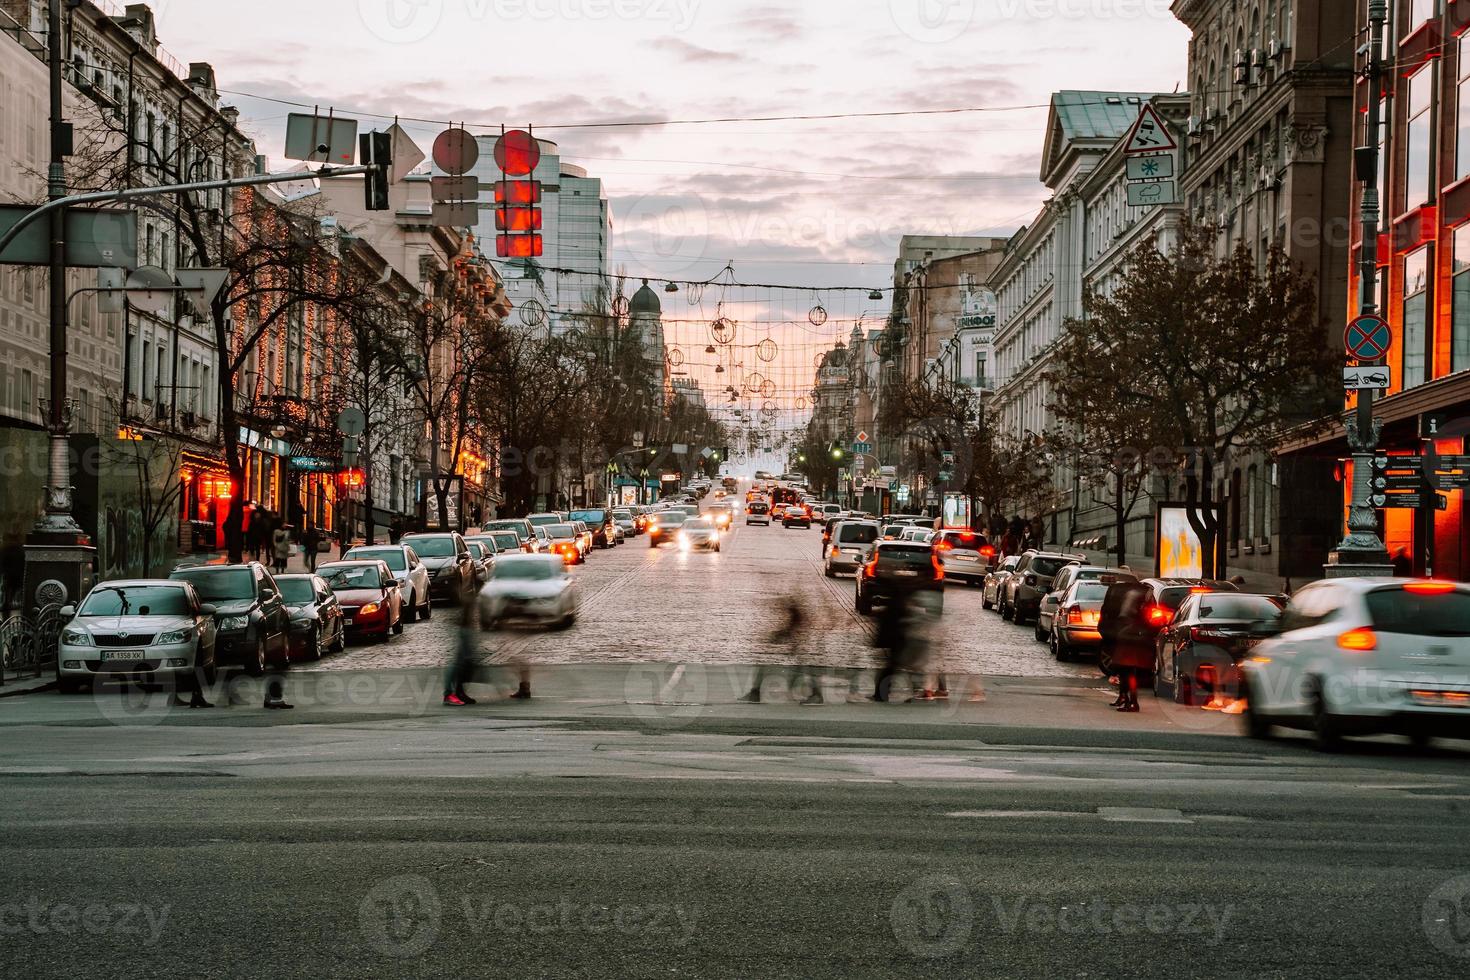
x=634 y=819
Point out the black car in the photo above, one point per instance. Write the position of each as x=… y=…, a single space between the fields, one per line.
x=600 y=523
x=316 y=616
x=1140 y=621
x=1199 y=653
x=447 y=557
x=252 y=622
x=895 y=567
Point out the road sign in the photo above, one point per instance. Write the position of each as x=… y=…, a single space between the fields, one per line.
x=95 y=238
x=859 y=448
x=202 y=285
x=1147 y=194
x=305 y=132
x=1411 y=501
x=1364 y=378
x=455 y=151
x=1149 y=133
x=517 y=153
x=862 y=437
x=351 y=421
x=406 y=153
x=1368 y=338
x=150 y=289
x=1152 y=167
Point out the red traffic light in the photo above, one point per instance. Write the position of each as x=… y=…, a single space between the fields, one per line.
x=517 y=153
x=518 y=246
x=518 y=219
x=518 y=192
x=351 y=478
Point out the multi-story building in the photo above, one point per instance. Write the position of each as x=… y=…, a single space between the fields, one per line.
x=1269 y=160
x=1423 y=274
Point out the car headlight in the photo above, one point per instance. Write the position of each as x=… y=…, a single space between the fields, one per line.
x=76 y=638
x=177 y=636
x=368 y=609
x=238 y=622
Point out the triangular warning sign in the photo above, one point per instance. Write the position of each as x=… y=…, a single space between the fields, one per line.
x=1149 y=133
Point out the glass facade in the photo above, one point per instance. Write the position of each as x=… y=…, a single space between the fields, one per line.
x=1460 y=317
x=1418 y=164
x=1416 y=298
x=1462 y=110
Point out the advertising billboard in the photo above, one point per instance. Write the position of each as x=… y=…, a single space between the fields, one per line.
x=1177 y=551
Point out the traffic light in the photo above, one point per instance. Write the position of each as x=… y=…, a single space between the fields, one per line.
x=375 y=149
x=517 y=202
x=836 y=450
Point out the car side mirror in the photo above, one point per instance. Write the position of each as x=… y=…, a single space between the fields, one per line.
x=205 y=609
x=68 y=611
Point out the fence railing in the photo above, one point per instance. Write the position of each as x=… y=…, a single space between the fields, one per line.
x=28 y=643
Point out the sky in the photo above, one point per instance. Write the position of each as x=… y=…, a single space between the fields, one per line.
x=804 y=203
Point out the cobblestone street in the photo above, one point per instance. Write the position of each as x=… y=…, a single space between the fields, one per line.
x=644 y=605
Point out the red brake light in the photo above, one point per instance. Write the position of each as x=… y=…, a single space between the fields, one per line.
x=945 y=546
x=1429 y=587
x=938 y=568
x=1157 y=615
x=871 y=568
x=1361 y=639
x=987 y=551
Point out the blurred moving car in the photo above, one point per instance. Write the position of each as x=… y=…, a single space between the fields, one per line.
x=534 y=588
x=964 y=554
x=447 y=558
x=584 y=537
x=130 y=627
x=503 y=541
x=600 y=522
x=1074 y=627
x=1358 y=656
x=995 y=580
x=253 y=627
x=723 y=516
x=316 y=615
x=1064 y=579
x=698 y=534
x=1020 y=599
x=665 y=527
x=411 y=573
x=371 y=601
x=900 y=566
x=1135 y=611
x=1199 y=652
x=758 y=512
x=849 y=547
x=519 y=525
x=565 y=542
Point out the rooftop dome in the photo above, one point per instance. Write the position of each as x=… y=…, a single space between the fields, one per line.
x=646 y=302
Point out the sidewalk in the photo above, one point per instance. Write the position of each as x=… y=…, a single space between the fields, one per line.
x=295 y=564
x=29 y=684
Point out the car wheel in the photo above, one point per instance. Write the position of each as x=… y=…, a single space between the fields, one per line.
x=1420 y=739
x=1059 y=649
x=1036 y=631
x=985 y=602
x=340 y=643
x=566 y=622
x=427 y=609
x=317 y=647
x=68 y=685
x=1185 y=684
x=864 y=604
x=1257 y=724
x=1325 y=729
x=827 y=570
x=398 y=624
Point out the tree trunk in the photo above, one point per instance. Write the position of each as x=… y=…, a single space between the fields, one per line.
x=1205 y=519
x=1120 y=515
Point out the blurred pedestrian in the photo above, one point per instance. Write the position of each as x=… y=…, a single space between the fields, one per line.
x=280 y=548
x=792 y=634
x=1127 y=644
x=1403 y=565
x=462 y=666
x=892 y=638
x=310 y=541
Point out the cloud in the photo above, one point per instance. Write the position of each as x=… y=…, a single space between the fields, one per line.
x=770 y=23
x=694 y=53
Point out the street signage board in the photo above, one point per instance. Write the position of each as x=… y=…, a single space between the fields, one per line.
x=1399 y=501
x=1364 y=378
x=95 y=238
x=307 y=131
x=1147 y=194
x=455 y=214
x=862 y=447
x=1149 y=133
x=1152 y=167
x=406 y=154
x=455 y=151
x=1368 y=337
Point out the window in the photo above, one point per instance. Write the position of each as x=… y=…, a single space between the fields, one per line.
x=1416 y=296
x=146 y=366
x=1462 y=104
x=1418 y=164
x=1420 y=11
x=1460 y=317
x=27 y=392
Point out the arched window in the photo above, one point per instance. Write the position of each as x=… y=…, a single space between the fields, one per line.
x=1252 y=501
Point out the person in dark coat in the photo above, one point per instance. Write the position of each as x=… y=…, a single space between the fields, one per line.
x=310 y=539
x=1127 y=645
x=892 y=638
x=791 y=633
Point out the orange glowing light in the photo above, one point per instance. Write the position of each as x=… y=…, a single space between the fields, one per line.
x=1429 y=587
x=1359 y=640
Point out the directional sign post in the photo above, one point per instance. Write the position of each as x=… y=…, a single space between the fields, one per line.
x=1368 y=338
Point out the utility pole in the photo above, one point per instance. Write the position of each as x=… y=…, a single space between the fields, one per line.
x=1362 y=553
x=58 y=552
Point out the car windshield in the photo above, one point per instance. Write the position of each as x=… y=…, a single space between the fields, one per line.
x=893 y=529
x=857 y=534
x=903 y=556
x=1422 y=613
x=561 y=531
x=541 y=520
x=963 y=540
x=477 y=549
x=1047 y=566
x=1239 y=607
x=526 y=570
x=214 y=584
x=514 y=527
x=297 y=591
x=392 y=557
x=434 y=546
x=351 y=576
x=137 y=600
x=1173 y=597
x=622 y=515
x=506 y=540
x=699 y=524
x=590 y=517
x=1089 y=592
x=671 y=518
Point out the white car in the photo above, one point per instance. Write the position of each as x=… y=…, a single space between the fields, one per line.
x=1360 y=656
x=137 y=626
x=534 y=588
x=698 y=533
x=412 y=575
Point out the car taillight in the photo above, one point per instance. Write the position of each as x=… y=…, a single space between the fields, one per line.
x=987 y=551
x=871 y=569
x=938 y=567
x=1204 y=634
x=1082 y=617
x=944 y=546
x=1359 y=640
x=835 y=551
x=1429 y=587
x=1156 y=615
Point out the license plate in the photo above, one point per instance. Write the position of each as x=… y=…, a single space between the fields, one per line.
x=347 y=620
x=906 y=573
x=126 y=655
x=964 y=557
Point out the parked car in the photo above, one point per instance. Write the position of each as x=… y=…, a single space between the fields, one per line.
x=540 y=540
x=1358 y=656
x=1134 y=612
x=446 y=556
x=995 y=581
x=1046 y=611
x=316 y=616
x=253 y=626
x=1032 y=579
x=126 y=627
x=482 y=559
x=502 y=541
x=584 y=536
x=628 y=521
x=922 y=535
x=758 y=512
x=849 y=546
x=412 y=574
x=519 y=525
x=1074 y=628
x=795 y=515
x=372 y=603
x=900 y=567
x=600 y=522
x=665 y=527
x=964 y=554
x=536 y=588
x=565 y=542
x=1197 y=655
x=545 y=518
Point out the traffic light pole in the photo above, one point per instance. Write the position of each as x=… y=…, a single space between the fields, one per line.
x=1361 y=552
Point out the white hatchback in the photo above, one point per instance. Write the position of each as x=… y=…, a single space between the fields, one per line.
x=1365 y=656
